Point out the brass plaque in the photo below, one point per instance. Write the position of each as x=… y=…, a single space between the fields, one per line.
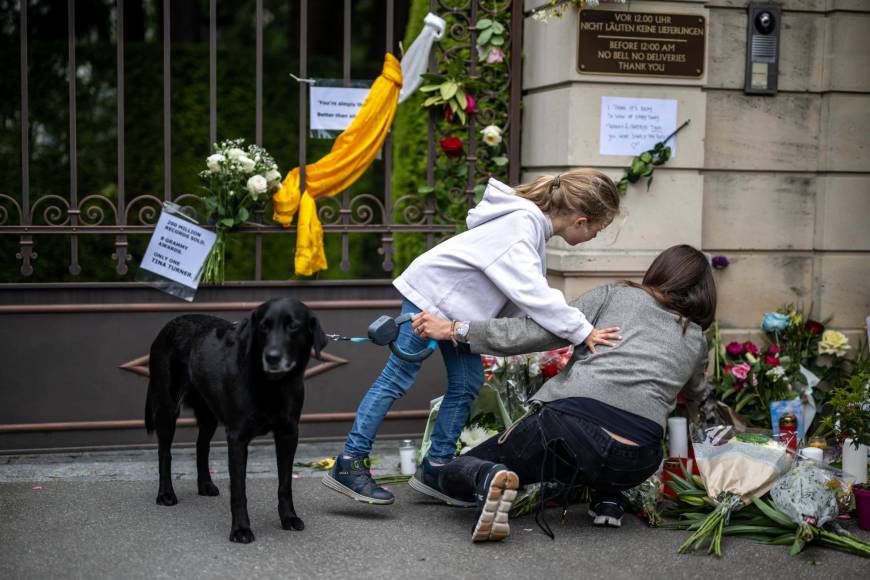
x=641 y=43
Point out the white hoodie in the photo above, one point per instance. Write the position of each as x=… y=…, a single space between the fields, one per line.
x=500 y=259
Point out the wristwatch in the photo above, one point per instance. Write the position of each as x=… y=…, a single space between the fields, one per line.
x=461 y=332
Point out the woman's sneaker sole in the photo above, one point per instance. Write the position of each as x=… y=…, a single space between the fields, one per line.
x=331 y=483
x=492 y=524
x=605 y=520
x=418 y=485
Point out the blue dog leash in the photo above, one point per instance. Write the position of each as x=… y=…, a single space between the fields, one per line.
x=384 y=331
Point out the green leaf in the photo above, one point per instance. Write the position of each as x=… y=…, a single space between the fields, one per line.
x=497 y=28
x=461 y=98
x=432 y=101
x=424 y=189
x=432 y=78
x=448 y=89
x=484 y=23
x=484 y=37
x=453 y=105
x=462 y=170
x=500 y=161
x=645 y=157
x=461 y=115
x=744 y=402
x=429 y=88
x=228 y=222
x=243 y=215
x=497 y=40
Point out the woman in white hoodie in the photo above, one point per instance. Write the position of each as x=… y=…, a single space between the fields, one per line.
x=496 y=266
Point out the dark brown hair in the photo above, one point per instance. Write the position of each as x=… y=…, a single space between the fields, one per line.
x=681 y=279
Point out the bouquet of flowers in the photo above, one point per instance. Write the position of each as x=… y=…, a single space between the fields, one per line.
x=733 y=470
x=644 y=499
x=237 y=180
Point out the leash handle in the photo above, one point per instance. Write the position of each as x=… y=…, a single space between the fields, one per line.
x=412 y=356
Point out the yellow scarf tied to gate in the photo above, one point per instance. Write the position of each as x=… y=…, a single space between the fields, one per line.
x=351 y=154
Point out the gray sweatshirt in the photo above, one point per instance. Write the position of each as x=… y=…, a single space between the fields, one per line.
x=642 y=374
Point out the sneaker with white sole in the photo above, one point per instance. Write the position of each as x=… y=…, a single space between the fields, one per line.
x=495 y=497
x=607 y=513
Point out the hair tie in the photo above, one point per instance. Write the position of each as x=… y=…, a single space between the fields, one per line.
x=553 y=184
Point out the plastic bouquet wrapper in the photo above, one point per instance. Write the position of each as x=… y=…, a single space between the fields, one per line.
x=809 y=494
x=734 y=469
x=644 y=500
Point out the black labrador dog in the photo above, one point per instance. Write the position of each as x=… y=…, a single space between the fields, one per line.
x=246 y=375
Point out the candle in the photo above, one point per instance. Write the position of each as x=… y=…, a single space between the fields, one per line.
x=678 y=437
x=813 y=453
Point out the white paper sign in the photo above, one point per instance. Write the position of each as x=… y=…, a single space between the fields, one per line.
x=178 y=250
x=631 y=126
x=333 y=108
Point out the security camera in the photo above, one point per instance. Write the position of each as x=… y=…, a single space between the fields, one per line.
x=765 y=22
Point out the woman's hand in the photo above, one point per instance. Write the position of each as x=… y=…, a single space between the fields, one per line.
x=601 y=336
x=427 y=325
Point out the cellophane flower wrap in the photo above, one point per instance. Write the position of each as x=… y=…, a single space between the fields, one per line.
x=734 y=469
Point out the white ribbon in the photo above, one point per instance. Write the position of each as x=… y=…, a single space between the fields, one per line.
x=416 y=60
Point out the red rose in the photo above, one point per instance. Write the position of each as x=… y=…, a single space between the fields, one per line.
x=727 y=369
x=734 y=349
x=774 y=349
x=815 y=328
x=749 y=347
x=448 y=114
x=737 y=387
x=452 y=146
x=771 y=360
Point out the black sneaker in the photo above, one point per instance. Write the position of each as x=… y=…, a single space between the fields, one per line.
x=426 y=481
x=607 y=512
x=353 y=478
x=495 y=496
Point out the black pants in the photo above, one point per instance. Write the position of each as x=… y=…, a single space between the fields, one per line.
x=550 y=445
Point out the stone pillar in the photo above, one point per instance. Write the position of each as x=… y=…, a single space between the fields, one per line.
x=778 y=184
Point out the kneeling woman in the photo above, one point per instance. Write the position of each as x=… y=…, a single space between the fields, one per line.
x=601 y=421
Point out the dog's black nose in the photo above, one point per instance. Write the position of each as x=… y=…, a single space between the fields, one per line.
x=273 y=356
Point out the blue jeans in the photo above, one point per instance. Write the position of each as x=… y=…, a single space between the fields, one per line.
x=464 y=379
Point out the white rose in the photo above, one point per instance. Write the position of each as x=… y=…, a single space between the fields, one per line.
x=235 y=153
x=247 y=163
x=257 y=185
x=491 y=135
x=214 y=162
x=273 y=175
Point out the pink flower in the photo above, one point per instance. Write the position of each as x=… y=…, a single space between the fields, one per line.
x=774 y=349
x=750 y=348
x=734 y=349
x=771 y=360
x=741 y=371
x=495 y=56
x=470 y=104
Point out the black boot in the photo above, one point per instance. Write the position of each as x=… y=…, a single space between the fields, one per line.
x=426 y=481
x=353 y=478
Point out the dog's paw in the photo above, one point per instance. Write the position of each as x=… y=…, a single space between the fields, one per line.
x=208 y=488
x=242 y=536
x=293 y=523
x=167 y=498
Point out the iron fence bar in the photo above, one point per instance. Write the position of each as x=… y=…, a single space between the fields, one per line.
x=258 y=239
x=74 y=267
x=26 y=242
x=167 y=120
x=303 y=89
x=120 y=241
x=516 y=91
x=471 y=158
x=212 y=73
x=387 y=239
x=429 y=212
x=345 y=195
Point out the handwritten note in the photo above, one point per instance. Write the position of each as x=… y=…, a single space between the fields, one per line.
x=630 y=126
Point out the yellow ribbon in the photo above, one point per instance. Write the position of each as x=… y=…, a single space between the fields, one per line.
x=351 y=154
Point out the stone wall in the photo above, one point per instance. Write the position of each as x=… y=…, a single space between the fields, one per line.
x=780 y=185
